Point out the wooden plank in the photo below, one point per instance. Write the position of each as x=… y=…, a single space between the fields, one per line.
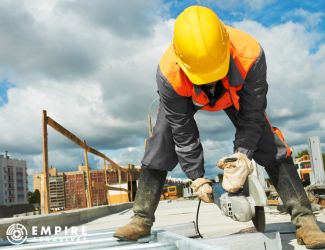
x=81 y=143
x=46 y=201
x=89 y=189
x=117 y=189
x=65 y=132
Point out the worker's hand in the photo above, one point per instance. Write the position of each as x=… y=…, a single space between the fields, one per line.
x=203 y=188
x=236 y=169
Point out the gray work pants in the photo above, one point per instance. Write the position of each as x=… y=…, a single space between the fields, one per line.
x=160 y=148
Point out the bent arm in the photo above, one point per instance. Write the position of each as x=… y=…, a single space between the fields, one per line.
x=180 y=112
x=250 y=120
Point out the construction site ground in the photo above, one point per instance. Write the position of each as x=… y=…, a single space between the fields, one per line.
x=212 y=223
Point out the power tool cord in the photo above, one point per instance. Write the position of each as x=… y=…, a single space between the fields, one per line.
x=197 y=219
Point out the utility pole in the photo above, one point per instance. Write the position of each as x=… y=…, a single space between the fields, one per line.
x=46 y=202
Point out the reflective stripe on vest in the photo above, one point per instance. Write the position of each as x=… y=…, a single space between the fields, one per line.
x=244 y=51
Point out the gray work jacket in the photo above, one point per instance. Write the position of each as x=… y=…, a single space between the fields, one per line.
x=249 y=120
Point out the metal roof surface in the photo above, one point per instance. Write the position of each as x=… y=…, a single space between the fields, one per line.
x=160 y=239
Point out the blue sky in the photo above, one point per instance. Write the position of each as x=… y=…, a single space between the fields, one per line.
x=4 y=87
x=268 y=13
x=92 y=66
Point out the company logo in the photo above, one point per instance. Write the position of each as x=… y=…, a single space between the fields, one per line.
x=16 y=234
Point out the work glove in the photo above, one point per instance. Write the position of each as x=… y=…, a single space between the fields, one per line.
x=236 y=169
x=203 y=188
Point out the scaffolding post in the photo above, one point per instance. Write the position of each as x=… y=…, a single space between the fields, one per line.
x=119 y=181
x=89 y=191
x=106 y=182
x=128 y=183
x=131 y=181
x=317 y=176
x=46 y=202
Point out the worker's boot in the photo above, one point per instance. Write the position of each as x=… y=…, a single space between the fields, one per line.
x=151 y=183
x=308 y=232
x=287 y=183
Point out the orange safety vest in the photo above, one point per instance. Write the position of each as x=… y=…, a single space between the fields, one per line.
x=244 y=51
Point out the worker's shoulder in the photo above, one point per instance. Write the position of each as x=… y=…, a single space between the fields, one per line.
x=168 y=64
x=243 y=44
x=172 y=74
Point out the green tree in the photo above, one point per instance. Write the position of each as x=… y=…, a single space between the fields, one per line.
x=37 y=195
x=34 y=197
x=302 y=152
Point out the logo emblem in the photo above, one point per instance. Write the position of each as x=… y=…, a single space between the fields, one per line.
x=16 y=234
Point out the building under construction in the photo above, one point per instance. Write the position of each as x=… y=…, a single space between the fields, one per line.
x=85 y=187
x=67 y=190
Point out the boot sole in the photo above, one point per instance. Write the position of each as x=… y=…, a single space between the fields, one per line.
x=120 y=237
x=314 y=246
x=142 y=238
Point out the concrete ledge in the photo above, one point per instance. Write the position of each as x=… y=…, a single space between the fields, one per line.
x=62 y=219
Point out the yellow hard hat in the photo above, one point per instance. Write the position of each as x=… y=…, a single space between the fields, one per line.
x=201 y=45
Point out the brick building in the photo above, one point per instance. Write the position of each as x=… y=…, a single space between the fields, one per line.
x=74 y=186
x=98 y=189
x=75 y=190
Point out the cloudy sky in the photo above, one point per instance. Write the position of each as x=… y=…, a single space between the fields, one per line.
x=91 y=65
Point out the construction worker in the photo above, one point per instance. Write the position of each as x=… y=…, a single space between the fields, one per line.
x=210 y=66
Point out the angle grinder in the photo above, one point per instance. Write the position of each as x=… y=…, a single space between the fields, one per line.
x=244 y=205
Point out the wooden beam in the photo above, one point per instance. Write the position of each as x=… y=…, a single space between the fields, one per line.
x=115 y=165
x=89 y=186
x=131 y=182
x=150 y=128
x=66 y=132
x=105 y=174
x=117 y=189
x=106 y=182
x=81 y=143
x=46 y=201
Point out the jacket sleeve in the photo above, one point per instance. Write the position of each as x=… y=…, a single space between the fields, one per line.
x=250 y=120
x=180 y=112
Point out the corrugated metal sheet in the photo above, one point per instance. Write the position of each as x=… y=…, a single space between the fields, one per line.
x=160 y=239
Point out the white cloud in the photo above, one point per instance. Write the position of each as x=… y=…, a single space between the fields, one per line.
x=96 y=77
x=92 y=80
x=230 y=5
x=310 y=19
x=258 y=4
x=295 y=78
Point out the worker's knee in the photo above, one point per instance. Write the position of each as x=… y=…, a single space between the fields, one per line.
x=269 y=159
x=277 y=162
x=160 y=149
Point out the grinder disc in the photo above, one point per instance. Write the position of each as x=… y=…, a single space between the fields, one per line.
x=259 y=219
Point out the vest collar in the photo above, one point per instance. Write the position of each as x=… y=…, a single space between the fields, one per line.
x=197 y=89
x=234 y=77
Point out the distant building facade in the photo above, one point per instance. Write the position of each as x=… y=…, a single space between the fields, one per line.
x=56 y=193
x=75 y=190
x=98 y=184
x=68 y=190
x=13 y=181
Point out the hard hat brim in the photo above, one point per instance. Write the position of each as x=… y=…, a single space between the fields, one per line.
x=198 y=78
